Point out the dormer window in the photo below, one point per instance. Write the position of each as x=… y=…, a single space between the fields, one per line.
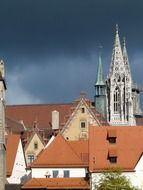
x=112 y=156
x=113 y=159
x=111 y=136
x=112 y=140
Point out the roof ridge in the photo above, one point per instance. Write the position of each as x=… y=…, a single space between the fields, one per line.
x=40 y=104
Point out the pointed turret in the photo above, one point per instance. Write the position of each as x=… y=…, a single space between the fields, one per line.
x=100 y=78
x=125 y=56
x=100 y=97
x=117 y=62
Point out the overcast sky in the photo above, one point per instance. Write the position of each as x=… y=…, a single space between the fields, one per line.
x=50 y=47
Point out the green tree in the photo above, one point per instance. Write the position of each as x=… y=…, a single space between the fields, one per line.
x=114 y=180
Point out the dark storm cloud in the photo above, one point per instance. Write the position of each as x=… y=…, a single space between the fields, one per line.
x=49 y=45
x=33 y=26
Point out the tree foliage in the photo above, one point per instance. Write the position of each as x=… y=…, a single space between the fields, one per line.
x=114 y=180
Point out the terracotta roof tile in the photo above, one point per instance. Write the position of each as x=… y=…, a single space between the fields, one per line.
x=42 y=113
x=58 y=154
x=81 y=149
x=12 y=142
x=57 y=183
x=128 y=147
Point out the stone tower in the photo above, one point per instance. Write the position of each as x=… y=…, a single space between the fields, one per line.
x=2 y=127
x=119 y=87
x=100 y=94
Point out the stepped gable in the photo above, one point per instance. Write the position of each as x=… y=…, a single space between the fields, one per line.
x=57 y=183
x=12 y=142
x=127 y=148
x=58 y=154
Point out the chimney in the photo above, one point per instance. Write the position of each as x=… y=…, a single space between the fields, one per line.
x=55 y=120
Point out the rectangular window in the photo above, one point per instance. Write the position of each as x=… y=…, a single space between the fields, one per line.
x=55 y=173
x=30 y=158
x=82 y=110
x=112 y=140
x=66 y=173
x=112 y=159
x=83 y=124
x=35 y=145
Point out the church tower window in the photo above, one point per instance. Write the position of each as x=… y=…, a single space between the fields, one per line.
x=116 y=100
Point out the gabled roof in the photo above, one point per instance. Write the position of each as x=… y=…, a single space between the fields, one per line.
x=12 y=142
x=42 y=113
x=57 y=183
x=31 y=137
x=128 y=147
x=58 y=154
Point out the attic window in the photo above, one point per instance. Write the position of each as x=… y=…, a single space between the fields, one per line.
x=82 y=110
x=35 y=145
x=83 y=124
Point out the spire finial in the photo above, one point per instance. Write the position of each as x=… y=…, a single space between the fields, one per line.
x=100 y=78
x=117 y=28
x=124 y=41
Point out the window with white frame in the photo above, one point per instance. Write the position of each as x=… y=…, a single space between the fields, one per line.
x=55 y=173
x=117 y=100
x=30 y=158
x=66 y=173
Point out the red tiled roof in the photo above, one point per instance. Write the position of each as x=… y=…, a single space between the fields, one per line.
x=12 y=142
x=58 y=154
x=57 y=183
x=42 y=114
x=81 y=149
x=128 y=147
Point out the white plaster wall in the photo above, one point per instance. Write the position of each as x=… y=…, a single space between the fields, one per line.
x=74 y=172
x=19 y=168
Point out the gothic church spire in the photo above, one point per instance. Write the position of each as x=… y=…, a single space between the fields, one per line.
x=119 y=87
x=117 y=57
